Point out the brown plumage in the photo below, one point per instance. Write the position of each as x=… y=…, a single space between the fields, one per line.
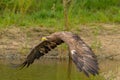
x=80 y=52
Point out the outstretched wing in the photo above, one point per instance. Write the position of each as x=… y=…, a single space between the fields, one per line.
x=83 y=57
x=81 y=54
x=39 y=50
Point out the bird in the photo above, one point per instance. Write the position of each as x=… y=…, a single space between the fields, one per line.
x=80 y=53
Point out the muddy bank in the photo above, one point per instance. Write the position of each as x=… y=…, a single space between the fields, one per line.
x=15 y=42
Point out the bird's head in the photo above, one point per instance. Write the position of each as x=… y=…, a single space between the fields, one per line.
x=44 y=39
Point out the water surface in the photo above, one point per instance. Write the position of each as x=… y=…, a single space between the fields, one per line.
x=52 y=70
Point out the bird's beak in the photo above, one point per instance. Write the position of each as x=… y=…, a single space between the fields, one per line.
x=43 y=39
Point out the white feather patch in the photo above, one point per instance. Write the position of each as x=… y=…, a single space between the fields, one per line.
x=73 y=52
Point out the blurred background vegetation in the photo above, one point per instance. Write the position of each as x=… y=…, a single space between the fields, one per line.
x=50 y=12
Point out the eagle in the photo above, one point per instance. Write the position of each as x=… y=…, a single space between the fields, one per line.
x=80 y=53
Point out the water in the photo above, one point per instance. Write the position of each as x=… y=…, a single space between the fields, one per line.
x=51 y=70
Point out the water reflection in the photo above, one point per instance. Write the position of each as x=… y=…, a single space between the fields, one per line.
x=52 y=70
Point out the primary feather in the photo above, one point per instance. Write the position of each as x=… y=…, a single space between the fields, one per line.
x=81 y=53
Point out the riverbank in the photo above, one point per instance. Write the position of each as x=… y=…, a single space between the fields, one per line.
x=16 y=42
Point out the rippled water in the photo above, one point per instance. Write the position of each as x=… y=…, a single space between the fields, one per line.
x=52 y=70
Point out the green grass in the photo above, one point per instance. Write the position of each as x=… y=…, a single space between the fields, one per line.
x=49 y=13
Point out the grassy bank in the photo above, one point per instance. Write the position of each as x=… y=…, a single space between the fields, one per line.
x=49 y=13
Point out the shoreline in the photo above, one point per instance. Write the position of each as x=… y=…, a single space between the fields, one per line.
x=15 y=42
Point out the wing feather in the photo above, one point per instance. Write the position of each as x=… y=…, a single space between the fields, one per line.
x=85 y=64
x=41 y=49
x=83 y=57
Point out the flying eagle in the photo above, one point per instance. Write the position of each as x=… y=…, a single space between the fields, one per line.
x=80 y=53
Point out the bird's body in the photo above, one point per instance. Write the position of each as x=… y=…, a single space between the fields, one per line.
x=80 y=52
